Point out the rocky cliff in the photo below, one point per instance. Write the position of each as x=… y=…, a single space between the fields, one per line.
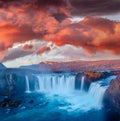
x=112 y=95
x=90 y=77
x=14 y=83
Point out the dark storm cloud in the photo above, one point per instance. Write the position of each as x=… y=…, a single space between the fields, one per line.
x=77 y=7
x=95 y=7
x=40 y=3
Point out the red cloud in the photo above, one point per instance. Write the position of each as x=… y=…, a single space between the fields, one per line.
x=10 y=34
x=100 y=24
x=93 y=34
x=25 y=20
x=99 y=35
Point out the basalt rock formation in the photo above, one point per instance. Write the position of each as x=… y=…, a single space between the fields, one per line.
x=14 y=83
x=90 y=77
x=112 y=95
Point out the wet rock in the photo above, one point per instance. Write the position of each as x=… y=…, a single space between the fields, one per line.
x=112 y=95
x=89 y=77
x=94 y=76
x=3 y=104
x=11 y=79
x=78 y=79
x=14 y=103
x=7 y=102
x=115 y=72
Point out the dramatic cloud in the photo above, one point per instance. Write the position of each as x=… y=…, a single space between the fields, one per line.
x=50 y=21
x=93 y=34
x=102 y=24
x=36 y=3
x=10 y=34
x=64 y=53
x=95 y=7
x=77 y=7
x=25 y=20
x=15 y=53
x=21 y=50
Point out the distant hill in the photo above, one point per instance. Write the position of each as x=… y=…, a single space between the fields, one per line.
x=41 y=67
x=76 y=66
x=2 y=66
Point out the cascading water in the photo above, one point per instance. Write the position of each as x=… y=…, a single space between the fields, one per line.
x=58 y=99
x=82 y=83
x=97 y=89
x=97 y=92
x=27 y=84
x=64 y=85
x=56 y=83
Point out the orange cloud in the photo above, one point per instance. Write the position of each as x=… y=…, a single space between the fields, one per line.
x=93 y=34
x=10 y=34
x=25 y=20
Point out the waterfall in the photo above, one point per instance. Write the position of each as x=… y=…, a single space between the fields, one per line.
x=82 y=83
x=97 y=89
x=65 y=84
x=56 y=82
x=27 y=84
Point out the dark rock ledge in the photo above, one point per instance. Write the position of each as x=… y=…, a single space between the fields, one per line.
x=112 y=95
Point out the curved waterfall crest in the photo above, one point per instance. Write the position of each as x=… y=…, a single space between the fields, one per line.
x=55 y=82
x=65 y=83
x=97 y=89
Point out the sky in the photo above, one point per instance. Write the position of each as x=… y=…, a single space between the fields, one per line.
x=32 y=31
